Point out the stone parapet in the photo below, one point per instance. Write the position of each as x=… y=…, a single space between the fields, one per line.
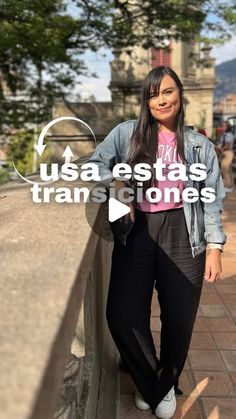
x=54 y=280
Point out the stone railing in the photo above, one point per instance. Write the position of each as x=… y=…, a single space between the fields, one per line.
x=54 y=281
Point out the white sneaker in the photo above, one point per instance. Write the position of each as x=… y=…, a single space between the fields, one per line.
x=139 y=402
x=166 y=408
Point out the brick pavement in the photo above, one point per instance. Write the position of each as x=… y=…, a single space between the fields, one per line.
x=209 y=377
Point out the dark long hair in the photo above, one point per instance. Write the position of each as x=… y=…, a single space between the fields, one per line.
x=144 y=140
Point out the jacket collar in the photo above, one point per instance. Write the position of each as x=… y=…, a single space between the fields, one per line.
x=192 y=137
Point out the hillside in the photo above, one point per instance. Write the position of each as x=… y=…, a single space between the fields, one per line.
x=226 y=76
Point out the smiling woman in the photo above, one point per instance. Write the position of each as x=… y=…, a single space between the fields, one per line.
x=164 y=246
x=165 y=104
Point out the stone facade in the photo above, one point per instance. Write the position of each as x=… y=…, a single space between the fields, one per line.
x=129 y=70
x=194 y=66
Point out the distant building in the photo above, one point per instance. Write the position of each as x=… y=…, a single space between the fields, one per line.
x=226 y=107
x=199 y=80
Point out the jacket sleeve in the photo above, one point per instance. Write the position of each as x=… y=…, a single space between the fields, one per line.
x=106 y=155
x=212 y=211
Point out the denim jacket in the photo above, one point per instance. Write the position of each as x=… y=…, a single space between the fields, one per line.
x=203 y=220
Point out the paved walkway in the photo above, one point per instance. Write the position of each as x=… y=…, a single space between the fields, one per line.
x=209 y=377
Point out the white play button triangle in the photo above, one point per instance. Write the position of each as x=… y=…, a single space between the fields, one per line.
x=116 y=209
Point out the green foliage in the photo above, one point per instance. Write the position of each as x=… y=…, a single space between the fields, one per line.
x=4 y=176
x=202 y=119
x=42 y=41
x=21 y=152
x=147 y=23
x=213 y=136
x=39 y=58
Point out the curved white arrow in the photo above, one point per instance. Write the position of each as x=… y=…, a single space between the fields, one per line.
x=31 y=181
x=40 y=146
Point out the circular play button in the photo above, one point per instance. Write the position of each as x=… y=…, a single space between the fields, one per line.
x=116 y=209
x=112 y=211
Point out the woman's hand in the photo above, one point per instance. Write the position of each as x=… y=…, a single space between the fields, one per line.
x=213 y=267
x=119 y=185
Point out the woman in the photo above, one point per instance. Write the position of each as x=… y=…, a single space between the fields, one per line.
x=226 y=157
x=164 y=245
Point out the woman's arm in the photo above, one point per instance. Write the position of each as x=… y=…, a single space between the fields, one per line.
x=112 y=150
x=212 y=211
x=212 y=217
x=106 y=155
x=119 y=185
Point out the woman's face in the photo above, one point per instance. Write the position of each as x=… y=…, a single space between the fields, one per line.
x=165 y=106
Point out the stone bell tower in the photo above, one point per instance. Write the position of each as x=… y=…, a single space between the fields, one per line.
x=193 y=65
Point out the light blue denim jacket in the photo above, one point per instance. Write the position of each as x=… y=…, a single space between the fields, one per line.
x=203 y=220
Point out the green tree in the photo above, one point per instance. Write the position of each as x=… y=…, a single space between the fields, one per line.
x=20 y=150
x=4 y=177
x=126 y=23
x=40 y=49
x=42 y=41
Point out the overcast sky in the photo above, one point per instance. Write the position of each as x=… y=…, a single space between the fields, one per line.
x=100 y=64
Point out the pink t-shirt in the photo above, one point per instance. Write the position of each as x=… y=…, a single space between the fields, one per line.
x=167 y=151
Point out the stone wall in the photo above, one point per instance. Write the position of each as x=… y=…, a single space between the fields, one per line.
x=54 y=281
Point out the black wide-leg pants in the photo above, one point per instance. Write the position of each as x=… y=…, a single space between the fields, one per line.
x=157 y=254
